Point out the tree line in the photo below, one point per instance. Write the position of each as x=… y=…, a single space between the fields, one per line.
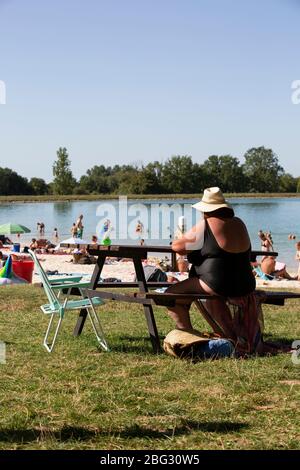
x=261 y=172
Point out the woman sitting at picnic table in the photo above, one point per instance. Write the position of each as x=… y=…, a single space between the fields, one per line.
x=219 y=249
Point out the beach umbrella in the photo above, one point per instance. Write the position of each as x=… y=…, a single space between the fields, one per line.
x=9 y=228
x=72 y=241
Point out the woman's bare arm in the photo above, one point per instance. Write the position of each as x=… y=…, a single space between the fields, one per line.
x=191 y=240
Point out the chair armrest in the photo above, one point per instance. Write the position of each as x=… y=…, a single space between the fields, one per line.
x=70 y=285
x=61 y=280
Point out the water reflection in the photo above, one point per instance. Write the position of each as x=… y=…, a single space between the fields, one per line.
x=62 y=208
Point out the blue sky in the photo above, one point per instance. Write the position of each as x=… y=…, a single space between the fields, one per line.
x=129 y=81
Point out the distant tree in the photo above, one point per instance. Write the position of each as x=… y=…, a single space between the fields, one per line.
x=226 y=172
x=152 y=174
x=232 y=176
x=129 y=181
x=97 y=180
x=287 y=183
x=13 y=184
x=177 y=175
x=79 y=190
x=212 y=170
x=50 y=188
x=38 y=186
x=262 y=169
x=298 y=184
x=63 y=182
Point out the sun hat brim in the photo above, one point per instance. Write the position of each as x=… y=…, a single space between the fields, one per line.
x=209 y=207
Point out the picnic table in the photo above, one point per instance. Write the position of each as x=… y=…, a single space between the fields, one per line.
x=143 y=297
x=137 y=254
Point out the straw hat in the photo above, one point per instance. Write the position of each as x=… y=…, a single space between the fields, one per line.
x=212 y=200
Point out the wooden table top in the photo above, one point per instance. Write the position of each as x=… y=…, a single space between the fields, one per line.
x=142 y=249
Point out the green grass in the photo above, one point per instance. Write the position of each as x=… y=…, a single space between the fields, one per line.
x=81 y=398
x=97 y=197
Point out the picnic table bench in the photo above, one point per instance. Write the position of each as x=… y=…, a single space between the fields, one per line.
x=150 y=299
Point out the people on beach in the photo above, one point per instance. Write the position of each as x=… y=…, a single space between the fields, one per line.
x=269 y=265
x=79 y=226
x=34 y=244
x=55 y=236
x=105 y=233
x=275 y=269
x=181 y=228
x=139 y=227
x=139 y=230
x=266 y=241
x=219 y=249
x=5 y=240
x=74 y=230
x=42 y=229
x=181 y=261
x=298 y=259
x=49 y=247
x=3 y=259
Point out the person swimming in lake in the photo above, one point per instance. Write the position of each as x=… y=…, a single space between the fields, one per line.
x=42 y=229
x=74 y=230
x=139 y=230
x=79 y=226
x=105 y=233
x=55 y=236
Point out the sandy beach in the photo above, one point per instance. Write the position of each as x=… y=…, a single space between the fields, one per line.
x=62 y=263
x=124 y=270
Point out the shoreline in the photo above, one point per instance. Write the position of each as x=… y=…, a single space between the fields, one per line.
x=96 y=197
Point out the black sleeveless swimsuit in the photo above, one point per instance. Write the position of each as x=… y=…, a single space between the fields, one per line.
x=228 y=274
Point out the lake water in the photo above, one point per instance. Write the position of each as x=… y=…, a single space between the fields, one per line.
x=278 y=215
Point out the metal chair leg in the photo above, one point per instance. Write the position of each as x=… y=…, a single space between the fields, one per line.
x=50 y=346
x=96 y=324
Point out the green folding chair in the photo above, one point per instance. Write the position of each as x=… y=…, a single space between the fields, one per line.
x=59 y=304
